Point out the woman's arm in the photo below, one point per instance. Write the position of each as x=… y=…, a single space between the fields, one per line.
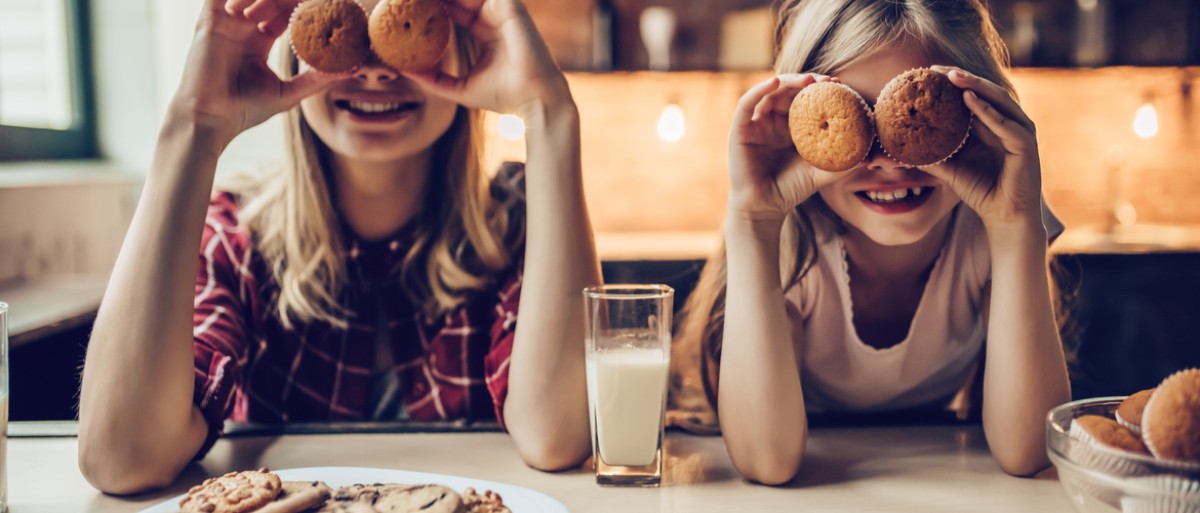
x=546 y=406
x=1000 y=178
x=138 y=425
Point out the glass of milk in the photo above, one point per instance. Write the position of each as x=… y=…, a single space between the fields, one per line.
x=3 y=407
x=628 y=337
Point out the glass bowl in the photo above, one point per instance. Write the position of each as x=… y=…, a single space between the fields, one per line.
x=1100 y=479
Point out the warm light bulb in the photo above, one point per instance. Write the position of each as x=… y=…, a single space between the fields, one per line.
x=1126 y=214
x=1145 y=122
x=510 y=127
x=1087 y=5
x=670 y=123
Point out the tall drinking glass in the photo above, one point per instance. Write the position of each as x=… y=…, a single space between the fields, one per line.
x=628 y=337
x=3 y=407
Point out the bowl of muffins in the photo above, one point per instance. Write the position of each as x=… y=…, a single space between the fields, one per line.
x=1135 y=454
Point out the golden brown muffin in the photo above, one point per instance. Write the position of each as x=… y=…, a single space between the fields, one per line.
x=1129 y=413
x=1106 y=431
x=831 y=126
x=1171 y=421
x=409 y=35
x=330 y=35
x=921 y=118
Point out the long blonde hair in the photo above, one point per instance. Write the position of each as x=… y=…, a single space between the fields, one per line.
x=464 y=235
x=826 y=36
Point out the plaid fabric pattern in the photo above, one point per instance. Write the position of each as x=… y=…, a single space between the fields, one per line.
x=249 y=368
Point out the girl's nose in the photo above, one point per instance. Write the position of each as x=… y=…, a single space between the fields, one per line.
x=878 y=160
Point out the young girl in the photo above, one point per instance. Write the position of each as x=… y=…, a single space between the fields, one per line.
x=879 y=307
x=377 y=276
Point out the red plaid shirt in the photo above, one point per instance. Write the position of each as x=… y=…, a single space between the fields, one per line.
x=249 y=368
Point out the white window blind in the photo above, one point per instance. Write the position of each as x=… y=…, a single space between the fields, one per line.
x=35 y=68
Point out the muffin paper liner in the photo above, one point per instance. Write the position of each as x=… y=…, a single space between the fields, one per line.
x=1173 y=494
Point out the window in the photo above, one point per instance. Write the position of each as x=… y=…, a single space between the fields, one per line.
x=45 y=95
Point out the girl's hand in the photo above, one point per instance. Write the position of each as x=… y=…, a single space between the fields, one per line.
x=226 y=84
x=514 y=70
x=767 y=176
x=998 y=173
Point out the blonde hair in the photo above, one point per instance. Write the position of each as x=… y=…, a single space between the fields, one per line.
x=826 y=36
x=464 y=236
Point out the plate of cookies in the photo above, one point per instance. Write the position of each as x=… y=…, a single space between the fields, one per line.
x=354 y=490
x=1132 y=454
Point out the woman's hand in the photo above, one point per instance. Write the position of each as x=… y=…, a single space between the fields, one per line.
x=998 y=173
x=226 y=84
x=767 y=177
x=514 y=70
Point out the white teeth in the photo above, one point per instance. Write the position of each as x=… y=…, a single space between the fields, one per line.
x=373 y=107
x=899 y=194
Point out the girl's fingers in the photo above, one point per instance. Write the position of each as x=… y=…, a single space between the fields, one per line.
x=1013 y=136
x=988 y=90
x=440 y=83
x=274 y=27
x=780 y=100
x=749 y=101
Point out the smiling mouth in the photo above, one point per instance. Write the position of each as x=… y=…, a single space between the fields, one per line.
x=909 y=195
x=376 y=109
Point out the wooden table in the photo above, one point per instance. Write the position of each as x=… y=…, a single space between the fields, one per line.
x=894 y=469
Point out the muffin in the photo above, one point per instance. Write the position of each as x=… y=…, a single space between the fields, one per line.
x=831 y=126
x=1171 y=421
x=409 y=35
x=330 y=35
x=921 y=118
x=1129 y=413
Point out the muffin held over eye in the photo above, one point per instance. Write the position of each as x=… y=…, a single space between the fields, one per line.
x=921 y=117
x=409 y=35
x=330 y=35
x=831 y=126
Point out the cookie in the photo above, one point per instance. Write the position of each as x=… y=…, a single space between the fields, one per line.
x=330 y=35
x=831 y=126
x=298 y=496
x=487 y=502
x=235 y=492
x=1129 y=413
x=920 y=117
x=425 y=499
x=1171 y=421
x=409 y=35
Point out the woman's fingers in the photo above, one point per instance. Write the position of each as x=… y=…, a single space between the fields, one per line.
x=305 y=84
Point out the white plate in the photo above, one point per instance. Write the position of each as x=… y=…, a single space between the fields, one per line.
x=518 y=499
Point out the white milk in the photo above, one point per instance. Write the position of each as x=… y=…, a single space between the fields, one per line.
x=3 y=452
x=626 y=393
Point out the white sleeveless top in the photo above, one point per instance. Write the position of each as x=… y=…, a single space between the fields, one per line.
x=841 y=373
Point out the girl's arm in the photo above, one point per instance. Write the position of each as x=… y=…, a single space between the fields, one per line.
x=546 y=407
x=760 y=404
x=138 y=426
x=1025 y=375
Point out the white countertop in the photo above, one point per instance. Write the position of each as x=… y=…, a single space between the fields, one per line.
x=894 y=469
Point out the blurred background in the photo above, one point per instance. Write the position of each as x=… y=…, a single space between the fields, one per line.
x=1110 y=84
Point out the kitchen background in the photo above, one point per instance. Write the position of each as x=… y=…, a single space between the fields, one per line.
x=1111 y=85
